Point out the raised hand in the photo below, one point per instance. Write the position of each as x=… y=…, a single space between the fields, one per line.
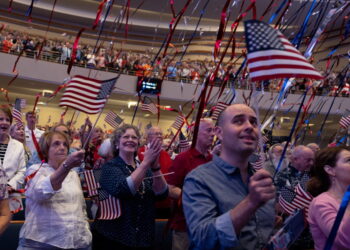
x=75 y=159
x=152 y=152
x=261 y=188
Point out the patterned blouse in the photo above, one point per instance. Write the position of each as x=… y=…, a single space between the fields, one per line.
x=3 y=185
x=136 y=225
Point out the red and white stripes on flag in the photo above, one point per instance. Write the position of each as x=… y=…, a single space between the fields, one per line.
x=184 y=144
x=220 y=106
x=92 y=185
x=303 y=197
x=86 y=94
x=113 y=119
x=109 y=209
x=16 y=112
x=297 y=199
x=259 y=163
x=271 y=55
x=344 y=122
x=179 y=121
x=148 y=105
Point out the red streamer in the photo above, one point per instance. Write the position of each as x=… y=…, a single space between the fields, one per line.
x=37 y=147
x=74 y=52
x=36 y=100
x=12 y=80
x=98 y=13
x=10 y=6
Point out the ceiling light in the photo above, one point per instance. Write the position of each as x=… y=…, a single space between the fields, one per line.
x=146 y=115
x=132 y=104
x=42 y=103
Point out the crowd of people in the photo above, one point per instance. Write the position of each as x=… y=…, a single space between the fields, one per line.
x=143 y=63
x=214 y=194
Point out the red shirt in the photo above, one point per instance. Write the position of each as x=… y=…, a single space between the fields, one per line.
x=182 y=165
x=165 y=163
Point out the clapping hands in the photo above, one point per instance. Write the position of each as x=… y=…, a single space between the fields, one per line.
x=152 y=152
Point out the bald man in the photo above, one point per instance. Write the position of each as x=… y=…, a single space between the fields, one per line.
x=184 y=163
x=301 y=160
x=227 y=204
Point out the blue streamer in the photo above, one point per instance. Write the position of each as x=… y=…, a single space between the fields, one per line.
x=290 y=134
x=109 y=5
x=340 y=215
x=297 y=39
x=274 y=15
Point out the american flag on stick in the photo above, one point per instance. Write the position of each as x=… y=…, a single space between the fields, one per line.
x=344 y=122
x=92 y=185
x=113 y=119
x=220 y=106
x=16 y=112
x=109 y=209
x=148 y=105
x=86 y=94
x=297 y=199
x=179 y=121
x=271 y=55
x=108 y=206
x=184 y=144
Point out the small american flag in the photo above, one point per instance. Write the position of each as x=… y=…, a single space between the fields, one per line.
x=92 y=185
x=108 y=206
x=220 y=106
x=286 y=200
x=16 y=112
x=259 y=163
x=299 y=199
x=303 y=197
x=344 y=122
x=109 y=209
x=113 y=119
x=271 y=55
x=148 y=105
x=179 y=121
x=86 y=94
x=184 y=144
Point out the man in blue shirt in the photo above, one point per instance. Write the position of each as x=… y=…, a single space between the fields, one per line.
x=227 y=204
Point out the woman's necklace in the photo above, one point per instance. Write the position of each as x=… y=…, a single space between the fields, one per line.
x=142 y=189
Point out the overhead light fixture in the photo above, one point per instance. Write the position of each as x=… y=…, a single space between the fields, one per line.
x=146 y=115
x=131 y=104
x=42 y=103
x=47 y=93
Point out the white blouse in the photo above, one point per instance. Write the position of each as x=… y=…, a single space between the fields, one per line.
x=57 y=218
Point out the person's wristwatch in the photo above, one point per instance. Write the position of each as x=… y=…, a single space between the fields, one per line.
x=65 y=166
x=155 y=169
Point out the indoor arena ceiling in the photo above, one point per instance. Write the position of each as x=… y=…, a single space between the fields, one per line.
x=151 y=18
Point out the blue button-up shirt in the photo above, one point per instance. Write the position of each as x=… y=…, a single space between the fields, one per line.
x=210 y=192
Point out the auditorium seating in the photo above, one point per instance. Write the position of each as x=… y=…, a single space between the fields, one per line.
x=9 y=239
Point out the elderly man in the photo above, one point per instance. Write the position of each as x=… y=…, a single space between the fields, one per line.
x=226 y=203
x=182 y=165
x=31 y=131
x=162 y=207
x=301 y=160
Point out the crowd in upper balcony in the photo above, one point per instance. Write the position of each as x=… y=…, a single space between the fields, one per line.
x=143 y=64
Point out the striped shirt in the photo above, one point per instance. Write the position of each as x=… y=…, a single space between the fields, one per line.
x=3 y=148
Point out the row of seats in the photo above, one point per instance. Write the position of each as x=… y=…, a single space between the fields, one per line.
x=9 y=239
